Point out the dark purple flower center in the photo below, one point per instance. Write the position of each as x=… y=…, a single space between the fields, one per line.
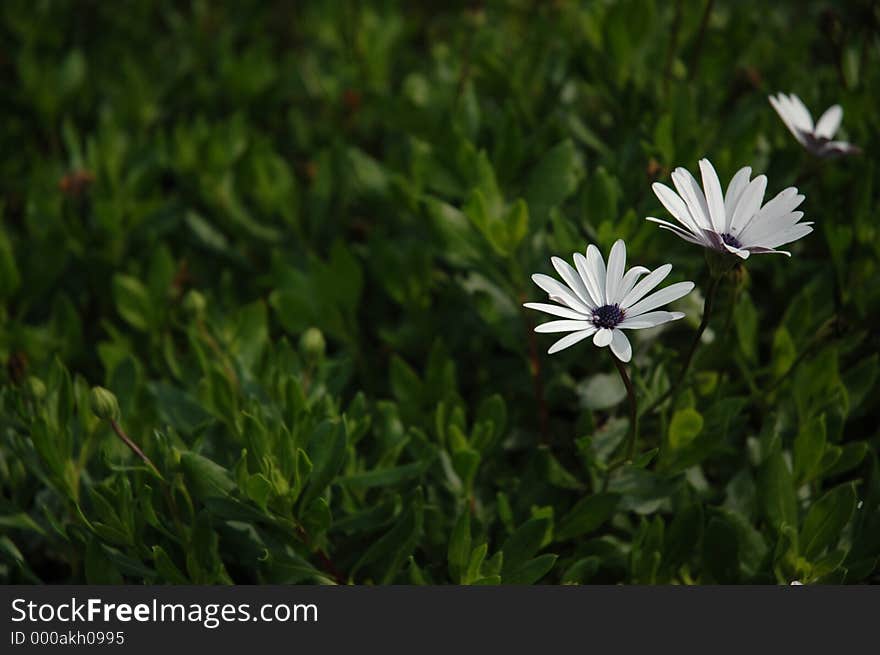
x=607 y=316
x=731 y=240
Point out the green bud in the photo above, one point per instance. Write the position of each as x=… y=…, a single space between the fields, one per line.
x=720 y=262
x=194 y=302
x=312 y=345
x=104 y=404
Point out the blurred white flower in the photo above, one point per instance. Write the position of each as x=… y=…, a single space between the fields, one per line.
x=815 y=138
x=600 y=302
x=795 y=583
x=735 y=221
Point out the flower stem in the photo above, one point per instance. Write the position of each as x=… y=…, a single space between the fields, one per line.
x=672 y=392
x=632 y=436
x=633 y=409
x=134 y=448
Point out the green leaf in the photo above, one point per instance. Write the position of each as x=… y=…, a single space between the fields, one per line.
x=396 y=545
x=826 y=519
x=523 y=544
x=460 y=546
x=850 y=456
x=531 y=571
x=98 y=567
x=205 y=478
x=553 y=179
x=721 y=551
x=684 y=535
x=517 y=223
x=582 y=570
x=466 y=461
x=809 y=446
x=178 y=408
x=10 y=553
x=776 y=489
x=317 y=518
x=203 y=560
x=387 y=477
x=642 y=460
x=784 y=351
x=664 y=140
x=601 y=391
x=455 y=231
x=259 y=489
x=133 y=302
x=326 y=451
x=20 y=521
x=746 y=322
x=859 y=379
x=587 y=515
x=166 y=568
x=685 y=426
x=405 y=383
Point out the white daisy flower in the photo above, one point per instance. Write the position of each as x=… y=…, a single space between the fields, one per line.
x=600 y=302
x=734 y=221
x=815 y=138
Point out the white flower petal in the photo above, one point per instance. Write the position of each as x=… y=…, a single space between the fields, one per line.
x=749 y=204
x=675 y=206
x=758 y=250
x=737 y=185
x=629 y=280
x=739 y=252
x=840 y=148
x=758 y=232
x=620 y=346
x=570 y=340
x=714 y=198
x=803 y=120
x=687 y=236
x=614 y=275
x=596 y=268
x=564 y=326
x=787 y=236
x=782 y=203
x=583 y=268
x=659 y=298
x=643 y=287
x=560 y=293
x=557 y=310
x=649 y=320
x=572 y=279
x=602 y=337
x=693 y=197
x=829 y=122
x=782 y=106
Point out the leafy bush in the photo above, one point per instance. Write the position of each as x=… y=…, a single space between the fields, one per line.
x=292 y=241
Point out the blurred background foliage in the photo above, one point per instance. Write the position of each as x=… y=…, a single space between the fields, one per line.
x=293 y=239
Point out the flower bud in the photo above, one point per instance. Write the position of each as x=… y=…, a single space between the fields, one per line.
x=104 y=404
x=312 y=345
x=720 y=262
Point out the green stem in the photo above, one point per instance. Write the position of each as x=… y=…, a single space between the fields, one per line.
x=135 y=448
x=672 y=392
x=632 y=436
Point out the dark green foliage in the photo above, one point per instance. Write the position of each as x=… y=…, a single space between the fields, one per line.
x=293 y=240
